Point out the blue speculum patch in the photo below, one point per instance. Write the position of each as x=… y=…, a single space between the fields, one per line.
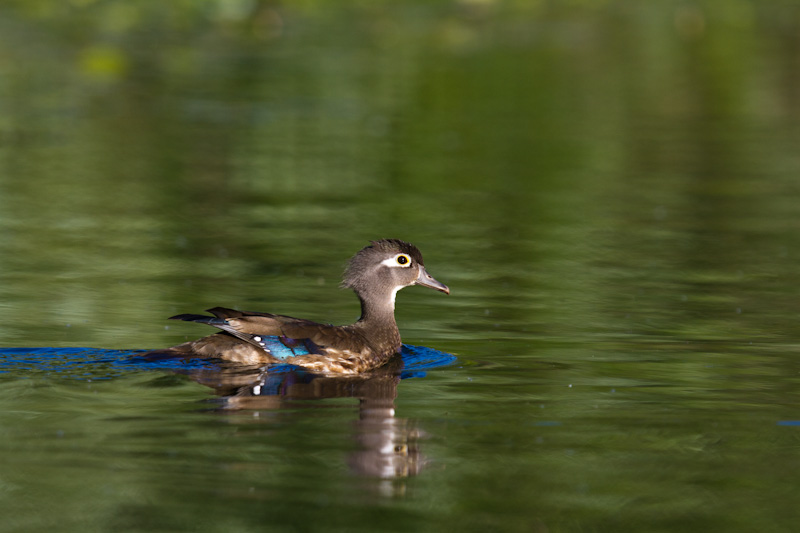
x=283 y=347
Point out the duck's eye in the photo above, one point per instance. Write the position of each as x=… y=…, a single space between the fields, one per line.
x=400 y=260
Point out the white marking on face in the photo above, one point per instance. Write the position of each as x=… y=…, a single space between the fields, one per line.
x=399 y=260
x=394 y=293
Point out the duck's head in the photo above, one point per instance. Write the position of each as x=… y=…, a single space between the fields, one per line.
x=386 y=266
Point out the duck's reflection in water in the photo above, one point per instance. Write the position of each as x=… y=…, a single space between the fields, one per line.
x=388 y=446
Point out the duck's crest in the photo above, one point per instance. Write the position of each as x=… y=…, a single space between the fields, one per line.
x=359 y=264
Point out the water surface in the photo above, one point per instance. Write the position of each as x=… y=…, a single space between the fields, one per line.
x=609 y=190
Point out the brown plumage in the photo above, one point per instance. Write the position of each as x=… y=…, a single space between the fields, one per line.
x=375 y=274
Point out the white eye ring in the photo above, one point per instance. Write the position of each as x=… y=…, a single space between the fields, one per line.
x=399 y=260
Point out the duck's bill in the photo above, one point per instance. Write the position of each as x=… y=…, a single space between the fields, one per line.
x=426 y=280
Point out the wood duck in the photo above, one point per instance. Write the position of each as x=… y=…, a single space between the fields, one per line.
x=375 y=273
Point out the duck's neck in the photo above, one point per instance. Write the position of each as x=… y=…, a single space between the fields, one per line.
x=378 y=327
x=378 y=311
x=377 y=323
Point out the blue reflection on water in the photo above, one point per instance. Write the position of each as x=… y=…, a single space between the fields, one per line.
x=94 y=363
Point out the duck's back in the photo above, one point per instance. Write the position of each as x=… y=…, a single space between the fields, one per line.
x=261 y=338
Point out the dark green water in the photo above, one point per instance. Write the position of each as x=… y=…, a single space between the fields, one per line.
x=610 y=189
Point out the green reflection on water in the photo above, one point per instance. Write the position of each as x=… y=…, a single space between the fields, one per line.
x=610 y=191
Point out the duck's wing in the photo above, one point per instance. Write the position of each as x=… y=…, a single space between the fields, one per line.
x=280 y=336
